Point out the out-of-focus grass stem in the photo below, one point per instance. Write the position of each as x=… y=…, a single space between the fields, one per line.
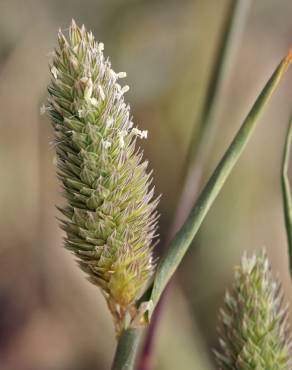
x=201 y=138
x=233 y=26
x=204 y=131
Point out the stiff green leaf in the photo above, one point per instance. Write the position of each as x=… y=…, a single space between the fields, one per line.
x=287 y=197
x=182 y=240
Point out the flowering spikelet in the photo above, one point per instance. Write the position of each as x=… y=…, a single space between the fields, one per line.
x=254 y=330
x=110 y=213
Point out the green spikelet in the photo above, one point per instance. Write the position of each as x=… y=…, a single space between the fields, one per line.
x=253 y=327
x=110 y=213
x=254 y=330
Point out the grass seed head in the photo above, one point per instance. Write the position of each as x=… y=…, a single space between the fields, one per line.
x=253 y=331
x=110 y=214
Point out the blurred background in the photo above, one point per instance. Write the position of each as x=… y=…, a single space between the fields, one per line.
x=51 y=318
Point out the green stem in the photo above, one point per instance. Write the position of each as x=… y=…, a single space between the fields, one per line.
x=126 y=351
x=181 y=242
x=286 y=191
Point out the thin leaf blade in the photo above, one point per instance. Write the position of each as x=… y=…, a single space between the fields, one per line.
x=286 y=191
x=182 y=240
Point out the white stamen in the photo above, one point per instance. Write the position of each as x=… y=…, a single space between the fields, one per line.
x=54 y=72
x=106 y=144
x=121 y=74
x=142 y=134
x=101 y=46
x=125 y=89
